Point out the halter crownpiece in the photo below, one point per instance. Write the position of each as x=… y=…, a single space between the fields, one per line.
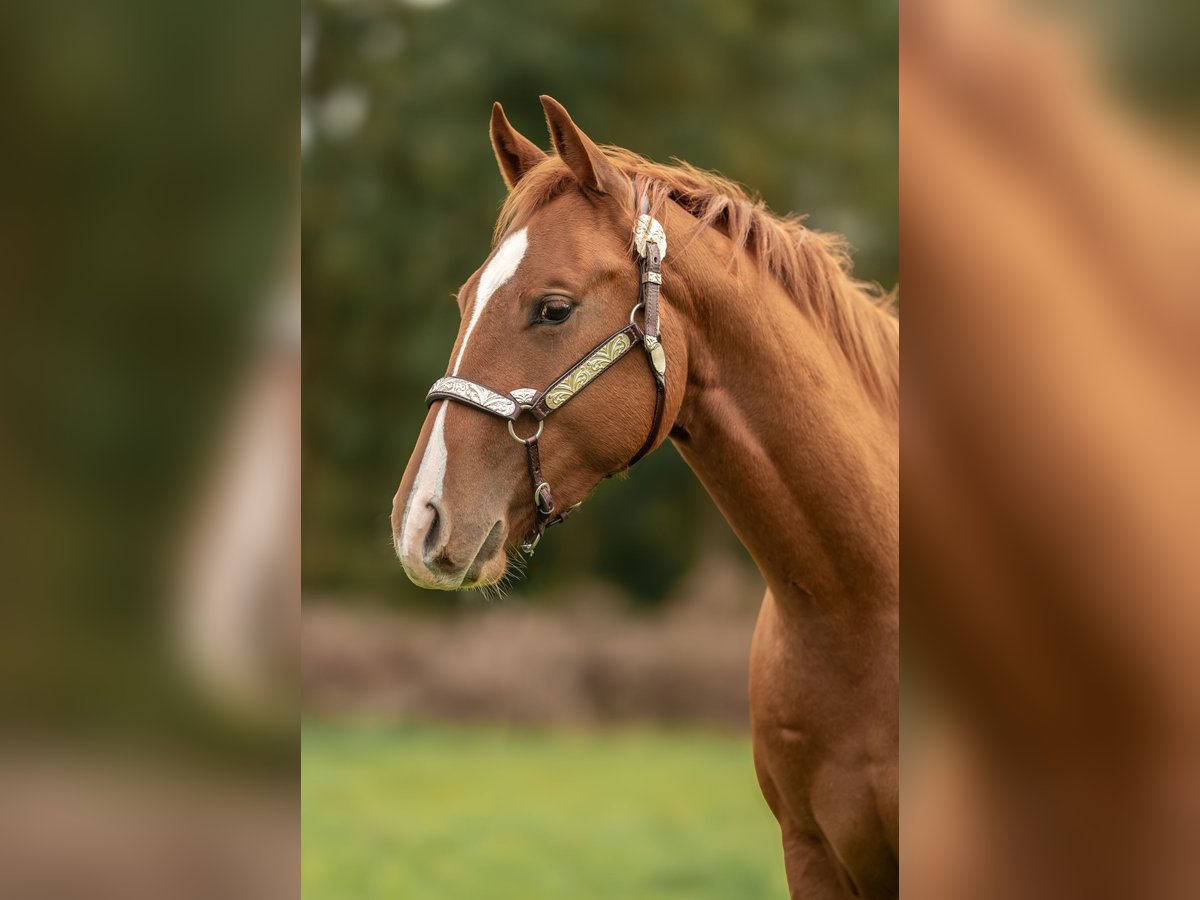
x=650 y=240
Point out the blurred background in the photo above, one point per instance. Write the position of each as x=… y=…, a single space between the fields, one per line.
x=589 y=729
x=401 y=191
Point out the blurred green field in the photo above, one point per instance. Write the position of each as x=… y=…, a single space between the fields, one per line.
x=469 y=814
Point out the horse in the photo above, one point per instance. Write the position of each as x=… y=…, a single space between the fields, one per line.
x=773 y=371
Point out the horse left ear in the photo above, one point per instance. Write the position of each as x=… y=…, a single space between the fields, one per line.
x=594 y=171
x=515 y=153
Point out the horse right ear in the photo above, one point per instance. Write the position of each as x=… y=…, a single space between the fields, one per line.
x=515 y=152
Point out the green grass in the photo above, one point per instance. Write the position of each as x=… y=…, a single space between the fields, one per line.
x=446 y=814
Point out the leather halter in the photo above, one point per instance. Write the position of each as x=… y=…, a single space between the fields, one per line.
x=651 y=244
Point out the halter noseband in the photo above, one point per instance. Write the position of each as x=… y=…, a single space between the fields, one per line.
x=651 y=243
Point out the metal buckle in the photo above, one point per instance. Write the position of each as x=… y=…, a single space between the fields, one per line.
x=537 y=499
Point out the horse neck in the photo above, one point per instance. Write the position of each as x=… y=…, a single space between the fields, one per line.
x=781 y=431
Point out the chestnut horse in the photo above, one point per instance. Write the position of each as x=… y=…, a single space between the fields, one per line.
x=781 y=392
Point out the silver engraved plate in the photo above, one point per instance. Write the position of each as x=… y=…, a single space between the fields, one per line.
x=524 y=396
x=648 y=230
x=587 y=370
x=475 y=393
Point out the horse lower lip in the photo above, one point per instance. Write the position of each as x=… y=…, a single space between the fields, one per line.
x=429 y=581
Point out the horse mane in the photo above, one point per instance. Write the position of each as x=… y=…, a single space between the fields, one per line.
x=813 y=267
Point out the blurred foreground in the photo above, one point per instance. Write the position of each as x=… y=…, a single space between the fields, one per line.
x=1050 y=245
x=149 y=454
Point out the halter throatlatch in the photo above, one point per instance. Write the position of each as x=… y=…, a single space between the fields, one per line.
x=651 y=242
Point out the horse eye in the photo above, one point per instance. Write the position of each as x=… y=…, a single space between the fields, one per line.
x=554 y=311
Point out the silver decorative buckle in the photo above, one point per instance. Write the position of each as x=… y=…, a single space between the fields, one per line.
x=650 y=231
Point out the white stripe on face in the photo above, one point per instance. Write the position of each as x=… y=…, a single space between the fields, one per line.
x=427 y=486
x=501 y=267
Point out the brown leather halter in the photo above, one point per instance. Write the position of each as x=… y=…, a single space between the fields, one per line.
x=651 y=244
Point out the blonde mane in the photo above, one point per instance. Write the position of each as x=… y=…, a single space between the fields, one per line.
x=812 y=266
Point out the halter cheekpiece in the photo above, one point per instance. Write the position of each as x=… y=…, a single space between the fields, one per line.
x=650 y=241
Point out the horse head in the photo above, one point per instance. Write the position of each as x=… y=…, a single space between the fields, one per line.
x=559 y=301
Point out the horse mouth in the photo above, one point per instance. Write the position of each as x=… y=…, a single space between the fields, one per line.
x=438 y=573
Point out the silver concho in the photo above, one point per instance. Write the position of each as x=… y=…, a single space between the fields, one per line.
x=648 y=230
x=524 y=396
x=658 y=356
x=475 y=393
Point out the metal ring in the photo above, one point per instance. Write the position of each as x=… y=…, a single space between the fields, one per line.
x=633 y=312
x=526 y=440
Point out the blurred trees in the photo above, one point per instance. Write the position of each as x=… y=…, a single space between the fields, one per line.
x=400 y=191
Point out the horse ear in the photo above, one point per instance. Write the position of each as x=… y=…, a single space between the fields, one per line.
x=515 y=152
x=593 y=170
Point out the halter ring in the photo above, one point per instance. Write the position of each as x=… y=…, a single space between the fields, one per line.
x=633 y=312
x=526 y=440
x=537 y=499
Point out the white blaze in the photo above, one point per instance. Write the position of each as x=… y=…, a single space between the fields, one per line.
x=427 y=486
x=501 y=267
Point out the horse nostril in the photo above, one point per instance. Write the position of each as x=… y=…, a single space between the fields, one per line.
x=433 y=534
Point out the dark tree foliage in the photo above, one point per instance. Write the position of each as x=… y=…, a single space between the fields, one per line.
x=797 y=100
